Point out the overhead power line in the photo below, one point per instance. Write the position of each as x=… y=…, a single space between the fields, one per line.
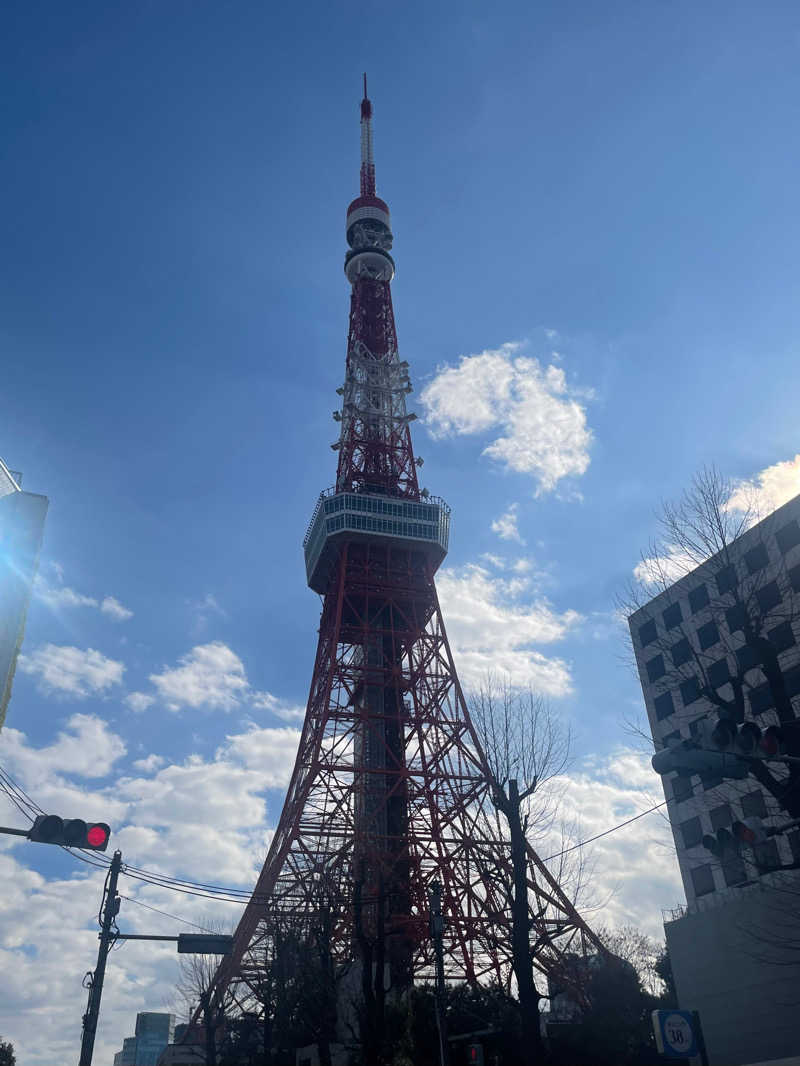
x=222 y=893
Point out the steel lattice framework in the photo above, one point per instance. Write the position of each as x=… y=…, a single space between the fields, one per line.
x=390 y=789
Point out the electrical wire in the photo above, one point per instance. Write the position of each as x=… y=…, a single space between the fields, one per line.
x=166 y=914
x=605 y=833
x=224 y=893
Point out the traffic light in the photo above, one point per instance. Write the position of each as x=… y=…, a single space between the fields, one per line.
x=749 y=832
x=475 y=1054
x=721 y=843
x=748 y=739
x=697 y=755
x=70 y=832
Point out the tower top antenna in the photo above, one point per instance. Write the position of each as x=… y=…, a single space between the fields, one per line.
x=367 y=160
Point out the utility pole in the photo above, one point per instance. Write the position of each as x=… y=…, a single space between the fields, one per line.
x=110 y=909
x=437 y=929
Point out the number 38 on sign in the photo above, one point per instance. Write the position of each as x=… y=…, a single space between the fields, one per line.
x=674 y=1033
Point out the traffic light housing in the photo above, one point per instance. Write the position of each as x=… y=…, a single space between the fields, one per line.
x=69 y=832
x=696 y=755
x=721 y=843
x=475 y=1054
x=748 y=739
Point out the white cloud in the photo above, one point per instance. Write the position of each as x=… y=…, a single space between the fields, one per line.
x=69 y=671
x=540 y=417
x=662 y=570
x=492 y=628
x=149 y=764
x=506 y=525
x=204 y=610
x=289 y=712
x=210 y=676
x=86 y=748
x=139 y=701
x=768 y=489
x=634 y=869
x=58 y=596
x=114 y=609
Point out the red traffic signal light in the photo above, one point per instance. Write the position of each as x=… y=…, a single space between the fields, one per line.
x=475 y=1054
x=750 y=831
x=70 y=832
x=97 y=836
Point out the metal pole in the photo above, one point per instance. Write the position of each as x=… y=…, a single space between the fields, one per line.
x=110 y=910
x=437 y=929
x=700 y=1038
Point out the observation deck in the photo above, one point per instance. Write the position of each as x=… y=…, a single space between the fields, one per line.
x=422 y=524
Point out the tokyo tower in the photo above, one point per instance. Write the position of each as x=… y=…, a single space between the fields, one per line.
x=390 y=790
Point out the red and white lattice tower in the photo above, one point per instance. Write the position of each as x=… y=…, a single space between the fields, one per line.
x=389 y=790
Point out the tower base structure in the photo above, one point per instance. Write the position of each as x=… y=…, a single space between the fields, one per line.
x=391 y=792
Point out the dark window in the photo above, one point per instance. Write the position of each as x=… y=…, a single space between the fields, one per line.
x=726 y=579
x=794 y=844
x=692 y=832
x=667 y=739
x=794 y=578
x=702 y=880
x=791 y=679
x=694 y=727
x=655 y=668
x=760 y=698
x=663 y=706
x=708 y=635
x=781 y=637
x=681 y=788
x=681 y=652
x=718 y=673
x=698 y=598
x=767 y=855
x=672 y=616
x=756 y=559
x=734 y=870
x=690 y=691
x=747 y=657
x=788 y=536
x=753 y=805
x=736 y=617
x=647 y=633
x=769 y=596
x=710 y=781
x=720 y=816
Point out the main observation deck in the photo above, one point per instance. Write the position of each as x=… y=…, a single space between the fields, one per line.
x=339 y=516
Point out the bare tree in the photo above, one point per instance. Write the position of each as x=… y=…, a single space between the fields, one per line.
x=526 y=748
x=641 y=951
x=195 y=986
x=748 y=605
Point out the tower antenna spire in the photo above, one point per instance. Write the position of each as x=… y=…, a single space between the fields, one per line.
x=367 y=160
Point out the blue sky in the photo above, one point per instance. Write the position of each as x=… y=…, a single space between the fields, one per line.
x=594 y=206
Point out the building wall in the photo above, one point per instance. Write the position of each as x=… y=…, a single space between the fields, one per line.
x=690 y=631
x=735 y=947
x=736 y=960
x=22 y=516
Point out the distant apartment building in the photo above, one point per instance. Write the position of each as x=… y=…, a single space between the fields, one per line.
x=693 y=658
x=22 y=516
x=154 y=1031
